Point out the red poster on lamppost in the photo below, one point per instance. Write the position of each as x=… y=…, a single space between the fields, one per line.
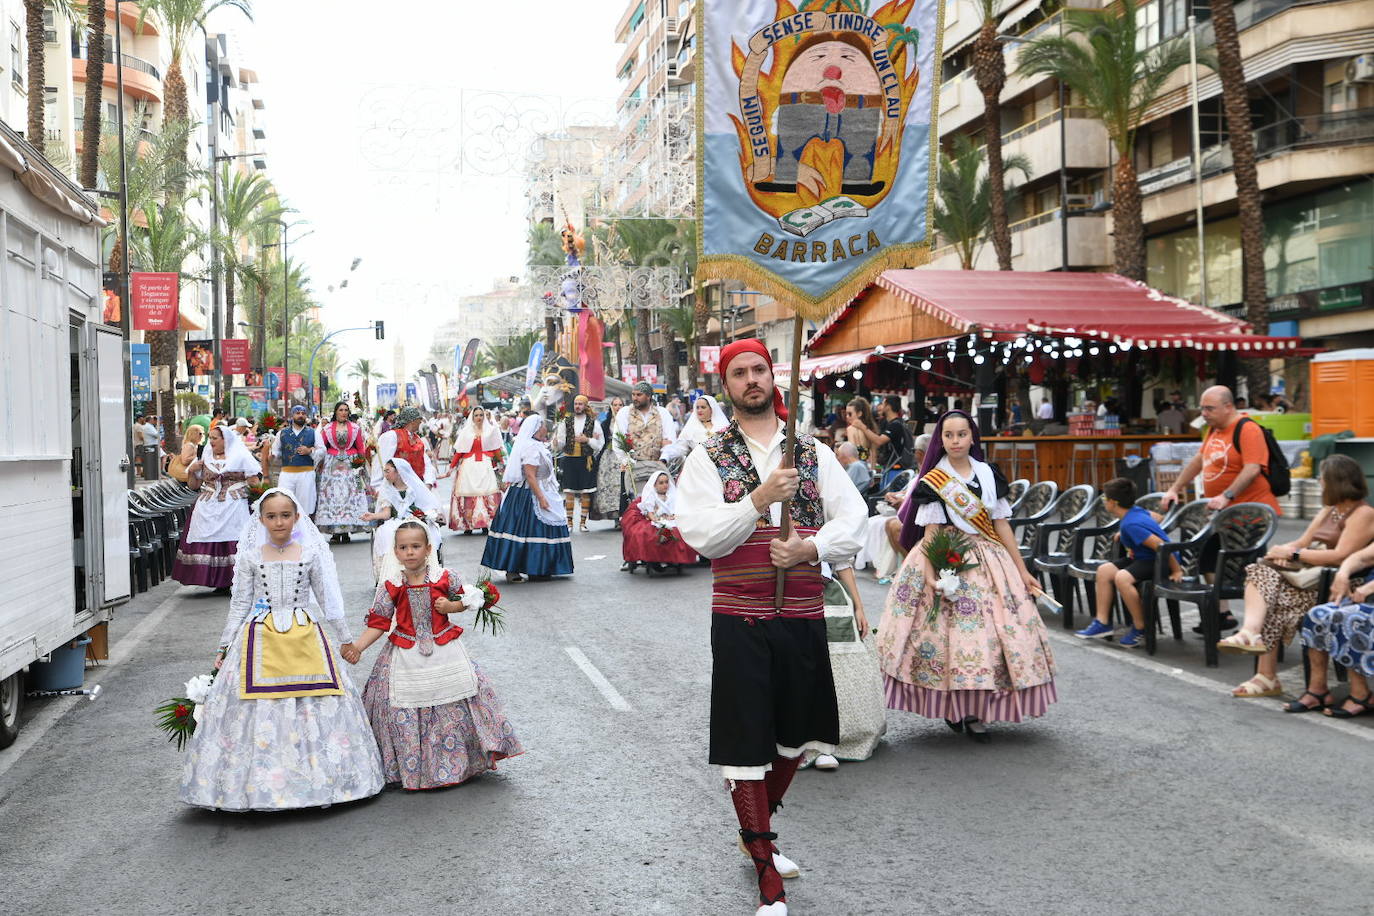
x=234 y=358
x=155 y=300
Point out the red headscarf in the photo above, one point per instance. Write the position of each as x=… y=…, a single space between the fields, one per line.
x=751 y=345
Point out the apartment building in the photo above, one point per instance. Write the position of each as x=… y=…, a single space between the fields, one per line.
x=655 y=172
x=1310 y=73
x=1310 y=68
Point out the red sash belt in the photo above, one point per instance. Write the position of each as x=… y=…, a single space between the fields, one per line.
x=478 y=454
x=745 y=582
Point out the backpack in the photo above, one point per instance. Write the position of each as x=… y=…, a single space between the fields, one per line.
x=1280 y=481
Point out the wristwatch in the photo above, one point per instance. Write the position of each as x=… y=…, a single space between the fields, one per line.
x=1230 y=498
x=1294 y=556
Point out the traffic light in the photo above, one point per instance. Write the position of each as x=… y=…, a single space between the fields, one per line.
x=381 y=330
x=324 y=381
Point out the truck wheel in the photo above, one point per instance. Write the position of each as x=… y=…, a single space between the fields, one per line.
x=11 y=705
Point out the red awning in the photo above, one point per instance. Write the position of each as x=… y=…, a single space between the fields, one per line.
x=1103 y=306
x=838 y=363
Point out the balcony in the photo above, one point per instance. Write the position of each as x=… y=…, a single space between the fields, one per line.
x=1311 y=148
x=1085 y=143
x=141 y=79
x=1036 y=244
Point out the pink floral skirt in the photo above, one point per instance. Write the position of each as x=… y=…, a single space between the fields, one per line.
x=473 y=513
x=985 y=654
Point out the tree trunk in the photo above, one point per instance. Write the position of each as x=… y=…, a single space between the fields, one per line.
x=261 y=334
x=550 y=336
x=33 y=37
x=228 y=307
x=92 y=118
x=1249 y=200
x=670 y=364
x=701 y=316
x=644 y=354
x=175 y=110
x=1128 y=247
x=990 y=73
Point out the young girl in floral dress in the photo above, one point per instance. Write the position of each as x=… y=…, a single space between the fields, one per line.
x=437 y=720
x=985 y=656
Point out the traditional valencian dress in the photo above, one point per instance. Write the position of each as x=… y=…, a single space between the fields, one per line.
x=476 y=489
x=209 y=544
x=525 y=538
x=283 y=726
x=649 y=528
x=986 y=654
x=577 y=461
x=436 y=717
x=412 y=501
x=772 y=691
x=343 y=494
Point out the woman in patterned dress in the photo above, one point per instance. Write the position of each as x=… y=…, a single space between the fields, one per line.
x=283 y=726
x=210 y=542
x=1343 y=630
x=476 y=486
x=343 y=495
x=610 y=476
x=437 y=720
x=984 y=657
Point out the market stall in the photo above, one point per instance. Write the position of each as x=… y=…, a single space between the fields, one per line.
x=986 y=338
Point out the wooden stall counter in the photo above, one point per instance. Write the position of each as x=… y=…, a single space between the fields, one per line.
x=1071 y=460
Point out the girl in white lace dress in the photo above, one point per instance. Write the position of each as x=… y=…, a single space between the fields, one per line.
x=283 y=727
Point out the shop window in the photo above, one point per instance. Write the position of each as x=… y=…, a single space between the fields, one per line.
x=16 y=55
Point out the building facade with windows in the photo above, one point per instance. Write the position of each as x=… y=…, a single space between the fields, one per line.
x=1310 y=70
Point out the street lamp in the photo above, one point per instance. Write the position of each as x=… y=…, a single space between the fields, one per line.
x=285 y=305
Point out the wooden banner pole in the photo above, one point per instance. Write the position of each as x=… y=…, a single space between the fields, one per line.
x=789 y=450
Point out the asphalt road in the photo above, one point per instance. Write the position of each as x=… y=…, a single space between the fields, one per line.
x=1147 y=789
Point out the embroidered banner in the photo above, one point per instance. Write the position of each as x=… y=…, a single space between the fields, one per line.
x=814 y=142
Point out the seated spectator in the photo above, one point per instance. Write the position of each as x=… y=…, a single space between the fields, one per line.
x=1141 y=536
x=1274 y=602
x=858 y=471
x=1340 y=630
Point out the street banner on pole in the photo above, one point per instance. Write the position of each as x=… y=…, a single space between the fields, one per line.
x=234 y=357
x=709 y=359
x=141 y=372
x=590 y=368
x=463 y=370
x=412 y=393
x=200 y=357
x=816 y=143
x=532 y=367
x=156 y=299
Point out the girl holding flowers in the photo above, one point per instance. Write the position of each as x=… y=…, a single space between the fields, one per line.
x=281 y=726
x=437 y=720
x=976 y=652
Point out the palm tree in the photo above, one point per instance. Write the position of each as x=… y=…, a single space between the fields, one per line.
x=679 y=321
x=990 y=73
x=92 y=116
x=180 y=19
x=963 y=211
x=362 y=371
x=514 y=352
x=1097 y=57
x=1235 y=100
x=247 y=208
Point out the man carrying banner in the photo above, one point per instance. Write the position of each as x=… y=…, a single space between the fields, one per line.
x=772 y=694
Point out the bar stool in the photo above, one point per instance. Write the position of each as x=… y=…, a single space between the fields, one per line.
x=1104 y=451
x=1081 y=469
x=1026 y=461
x=1002 y=454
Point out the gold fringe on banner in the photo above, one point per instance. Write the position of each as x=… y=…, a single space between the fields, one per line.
x=744 y=270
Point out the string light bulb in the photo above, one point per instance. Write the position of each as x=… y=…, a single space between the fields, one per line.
x=925 y=364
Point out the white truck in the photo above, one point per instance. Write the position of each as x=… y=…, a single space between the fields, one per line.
x=64 y=543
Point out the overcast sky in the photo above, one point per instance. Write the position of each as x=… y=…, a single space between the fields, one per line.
x=398 y=130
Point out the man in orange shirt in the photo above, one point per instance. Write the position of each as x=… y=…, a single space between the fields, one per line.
x=1229 y=475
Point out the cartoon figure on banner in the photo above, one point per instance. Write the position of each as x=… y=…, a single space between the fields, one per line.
x=820 y=130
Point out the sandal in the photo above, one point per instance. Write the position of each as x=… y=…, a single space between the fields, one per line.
x=1258 y=686
x=1243 y=642
x=1323 y=702
x=1340 y=712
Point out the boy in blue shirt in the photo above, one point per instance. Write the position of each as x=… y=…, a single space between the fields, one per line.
x=1140 y=534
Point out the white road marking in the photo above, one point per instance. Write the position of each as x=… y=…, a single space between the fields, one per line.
x=1129 y=657
x=55 y=709
x=599 y=556
x=597 y=678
